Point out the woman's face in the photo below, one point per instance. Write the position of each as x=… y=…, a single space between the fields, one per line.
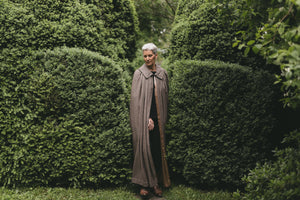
x=149 y=58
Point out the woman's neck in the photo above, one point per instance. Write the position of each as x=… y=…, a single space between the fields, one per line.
x=152 y=68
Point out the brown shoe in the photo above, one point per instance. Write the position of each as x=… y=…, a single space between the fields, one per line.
x=144 y=193
x=157 y=191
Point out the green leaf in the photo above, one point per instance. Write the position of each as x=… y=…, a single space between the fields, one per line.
x=251 y=42
x=255 y=50
x=274 y=55
x=236 y=43
x=290 y=34
x=281 y=29
x=241 y=46
x=246 y=51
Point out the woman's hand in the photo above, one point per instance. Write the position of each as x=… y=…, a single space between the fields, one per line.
x=150 y=124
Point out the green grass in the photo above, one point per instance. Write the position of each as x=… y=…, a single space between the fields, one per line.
x=179 y=192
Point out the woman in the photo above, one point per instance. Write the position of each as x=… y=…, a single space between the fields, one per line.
x=148 y=115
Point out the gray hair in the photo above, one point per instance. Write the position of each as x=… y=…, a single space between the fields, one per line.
x=150 y=47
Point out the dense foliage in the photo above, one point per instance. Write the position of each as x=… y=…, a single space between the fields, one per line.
x=276 y=37
x=223 y=118
x=64 y=111
x=107 y=27
x=156 y=18
x=272 y=30
x=202 y=31
x=121 y=19
x=64 y=120
x=279 y=180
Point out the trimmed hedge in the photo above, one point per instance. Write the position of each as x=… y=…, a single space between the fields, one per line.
x=64 y=112
x=122 y=22
x=108 y=27
x=200 y=32
x=64 y=120
x=222 y=121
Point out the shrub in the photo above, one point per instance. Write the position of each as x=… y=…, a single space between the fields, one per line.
x=109 y=27
x=222 y=119
x=279 y=180
x=200 y=32
x=121 y=20
x=64 y=122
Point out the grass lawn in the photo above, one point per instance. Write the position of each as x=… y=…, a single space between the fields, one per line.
x=179 y=192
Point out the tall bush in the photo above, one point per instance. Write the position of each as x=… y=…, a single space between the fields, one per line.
x=223 y=118
x=109 y=27
x=64 y=122
x=120 y=18
x=202 y=31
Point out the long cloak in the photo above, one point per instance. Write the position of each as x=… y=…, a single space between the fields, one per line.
x=144 y=173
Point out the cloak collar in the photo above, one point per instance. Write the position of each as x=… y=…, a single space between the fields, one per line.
x=147 y=73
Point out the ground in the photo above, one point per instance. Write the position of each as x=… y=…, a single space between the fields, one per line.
x=151 y=197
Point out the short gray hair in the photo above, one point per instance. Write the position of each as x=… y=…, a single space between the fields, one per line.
x=150 y=47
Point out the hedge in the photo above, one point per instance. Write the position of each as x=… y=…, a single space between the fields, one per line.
x=223 y=119
x=121 y=18
x=107 y=27
x=200 y=31
x=278 y=180
x=64 y=120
